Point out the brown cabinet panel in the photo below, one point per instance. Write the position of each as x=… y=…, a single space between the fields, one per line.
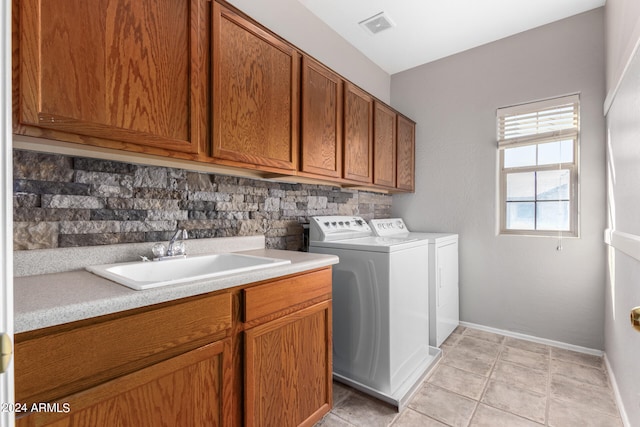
x=128 y=71
x=321 y=133
x=255 y=95
x=58 y=363
x=406 y=154
x=284 y=294
x=191 y=389
x=384 y=146
x=288 y=369
x=195 y=80
x=358 y=134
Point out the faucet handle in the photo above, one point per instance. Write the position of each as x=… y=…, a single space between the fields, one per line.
x=158 y=250
x=179 y=248
x=185 y=235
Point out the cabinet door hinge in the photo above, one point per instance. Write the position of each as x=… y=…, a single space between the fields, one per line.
x=6 y=350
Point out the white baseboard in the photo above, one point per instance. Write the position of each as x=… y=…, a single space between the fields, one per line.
x=616 y=392
x=545 y=341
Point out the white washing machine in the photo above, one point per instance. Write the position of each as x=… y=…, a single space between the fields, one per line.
x=380 y=308
x=444 y=311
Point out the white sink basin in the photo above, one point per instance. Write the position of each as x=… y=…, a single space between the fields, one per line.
x=145 y=275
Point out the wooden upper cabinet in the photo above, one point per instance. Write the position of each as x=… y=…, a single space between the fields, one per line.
x=384 y=146
x=406 y=154
x=255 y=94
x=197 y=80
x=132 y=72
x=321 y=133
x=358 y=135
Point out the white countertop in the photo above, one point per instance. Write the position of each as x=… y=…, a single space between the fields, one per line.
x=52 y=299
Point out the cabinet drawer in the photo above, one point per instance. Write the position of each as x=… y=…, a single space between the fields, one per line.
x=285 y=294
x=53 y=363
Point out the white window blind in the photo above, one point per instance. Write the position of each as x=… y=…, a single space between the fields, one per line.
x=538 y=122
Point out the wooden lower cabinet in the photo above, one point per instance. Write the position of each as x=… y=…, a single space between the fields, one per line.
x=167 y=364
x=288 y=352
x=188 y=390
x=288 y=369
x=186 y=362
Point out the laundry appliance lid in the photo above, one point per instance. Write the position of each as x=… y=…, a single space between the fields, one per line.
x=371 y=244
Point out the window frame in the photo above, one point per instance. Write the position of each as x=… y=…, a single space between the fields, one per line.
x=572 y=167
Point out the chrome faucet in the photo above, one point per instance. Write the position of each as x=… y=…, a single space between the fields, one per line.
x=176 y=244
x=176 y=248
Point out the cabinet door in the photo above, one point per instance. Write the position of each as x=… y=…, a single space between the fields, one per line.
x=406 y=154
x=255 y=95
x=288 y=370
x=321 y=142
x=192 y=389
x=126 y=71
x=384 y=146
x=358 y=134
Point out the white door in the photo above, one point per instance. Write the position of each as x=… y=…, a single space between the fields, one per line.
x=6 y=222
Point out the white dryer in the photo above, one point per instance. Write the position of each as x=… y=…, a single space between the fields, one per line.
x=380 y=308
x=444 y=311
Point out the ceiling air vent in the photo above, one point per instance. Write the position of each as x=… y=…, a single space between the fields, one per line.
x=377 y=23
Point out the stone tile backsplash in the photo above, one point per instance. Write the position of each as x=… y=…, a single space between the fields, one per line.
x=61 y=201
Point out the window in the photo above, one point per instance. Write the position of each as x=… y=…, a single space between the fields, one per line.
x=538 y=145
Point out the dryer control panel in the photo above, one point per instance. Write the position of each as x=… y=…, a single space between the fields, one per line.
x=329 y=228
x=389 y=227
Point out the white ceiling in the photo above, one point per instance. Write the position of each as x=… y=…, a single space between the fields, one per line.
x=426 y=30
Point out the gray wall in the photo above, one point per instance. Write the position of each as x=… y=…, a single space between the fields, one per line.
x=622 y=343
x=518 y=284
x=296 y=24
x=622 y=34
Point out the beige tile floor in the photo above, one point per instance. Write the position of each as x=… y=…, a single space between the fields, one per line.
x=490 y=380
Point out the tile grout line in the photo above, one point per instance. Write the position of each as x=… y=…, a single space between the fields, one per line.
x=477 y=402
x=425 y=383
x=607 y=389
x=548 y=400
x=503 y=346
x=484 y=389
